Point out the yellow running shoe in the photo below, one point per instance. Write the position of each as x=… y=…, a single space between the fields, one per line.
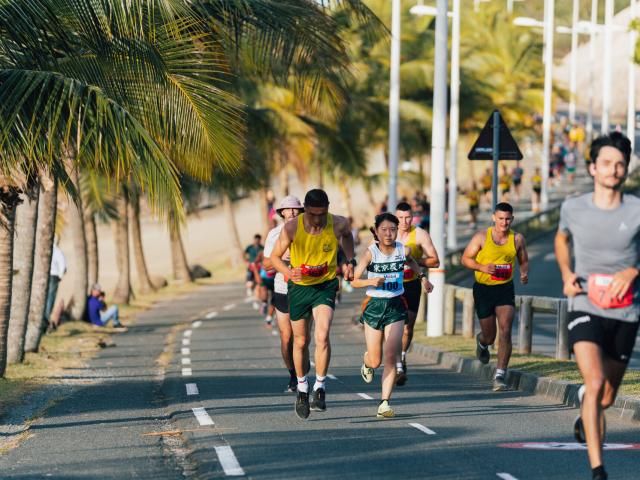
x=384 y=410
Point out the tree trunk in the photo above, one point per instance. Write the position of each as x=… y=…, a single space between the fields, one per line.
x=346 y=198
x=92 y=246
x=25 y=236
x=264 y=206
x=122 y=292
x=284 y=182
x=320 y=174
x=76 y=225
x=144 y=281
x=236 y=246
x=8 y=201
x=47 y=209
x=181 y=270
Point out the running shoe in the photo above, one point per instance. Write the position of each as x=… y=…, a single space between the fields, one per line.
x=317 y=402
x=293 y=385
x=268 y=321
x=581 y=394
x=600 y=475
x=401 y=374
x=302 y=405
x=578 y=430
x=264 y=308
x=482 y=352
x=499 y=384
x=384 y=410
x=367 y=373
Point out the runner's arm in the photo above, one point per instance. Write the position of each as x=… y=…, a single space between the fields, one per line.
x=571 y=286
x=431 y=260
x=471 y=251
x=358 y=281
x=346 y=240
x=282 y=245
x=523 y=258
x=413 y=265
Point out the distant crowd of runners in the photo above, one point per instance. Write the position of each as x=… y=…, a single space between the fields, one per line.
x=303 y=258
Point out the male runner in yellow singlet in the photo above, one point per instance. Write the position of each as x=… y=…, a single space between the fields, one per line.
x=313 y=239
x=492 y=254
x=420 y=244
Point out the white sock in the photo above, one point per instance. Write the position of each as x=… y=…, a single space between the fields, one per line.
x=404 y=356
x=399 y=366
x=500 y=372
x=303 y=385
x=319 y=383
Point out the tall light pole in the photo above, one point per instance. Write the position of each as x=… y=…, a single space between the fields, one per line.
x=394 y=106
x=546 y=119
x=606 y=82
x=592 y=58
x=631 y=98
x=454 y=121
x=573 y=81
x=435 y=308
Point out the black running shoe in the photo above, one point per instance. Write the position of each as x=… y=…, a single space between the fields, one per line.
x=317 y=402
x=599 y=474
x=293 y=385
x=302 y=405
x=401 y=376
x=578 y=430
x=482 y=352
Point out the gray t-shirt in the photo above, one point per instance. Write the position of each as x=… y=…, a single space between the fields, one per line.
x=605 y=242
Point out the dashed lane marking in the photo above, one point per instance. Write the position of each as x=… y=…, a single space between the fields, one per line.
x=506 y=476
x=202 y=416
x=185 y=351
x=186 y=361
x=229 y=462
x=186 y=372
x=332 y=377
x=196 y=324
x=186 y=342
x=365 y=396
x=187 y=333
x=211 y=315
x=422 y=428
x=192 y=389
x=226 y=308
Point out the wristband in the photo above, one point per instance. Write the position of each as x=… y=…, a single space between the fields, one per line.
x=352 y=262
x=421 y=276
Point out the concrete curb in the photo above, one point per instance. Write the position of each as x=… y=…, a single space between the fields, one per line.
x=561 y=391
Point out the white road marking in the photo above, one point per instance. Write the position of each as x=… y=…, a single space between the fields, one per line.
x=202 y=416
x=226 y=308
x=186 y=372
x=187 y=333
x=506 y=476
x=192 y=389
x=229 y=462
x=332 y=377
x=196 y=324
x=423 y=429
x=185 y=351
x=211 y=315
x=365 y=396
x=547 y=258
x=186 y=342
x=186 y=361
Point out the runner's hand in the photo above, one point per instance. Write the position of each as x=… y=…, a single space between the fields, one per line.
x=427 y=285
x=572 y=286
x=489 y=268
x=347 y=272
x=524 y=278
x=295 y=274
x=622 y=282
x=376 y=282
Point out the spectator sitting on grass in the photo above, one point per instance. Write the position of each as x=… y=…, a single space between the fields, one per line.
x=97 y=310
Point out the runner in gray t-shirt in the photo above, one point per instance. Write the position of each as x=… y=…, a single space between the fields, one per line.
x=604 y=304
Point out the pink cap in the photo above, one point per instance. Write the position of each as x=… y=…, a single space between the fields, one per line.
x=290 y=201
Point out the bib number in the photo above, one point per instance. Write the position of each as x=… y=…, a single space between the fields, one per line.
x=314 y=270
x=503 y=272
x=598 y=292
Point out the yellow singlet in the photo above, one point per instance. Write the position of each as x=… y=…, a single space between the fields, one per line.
x=503 y=256
x=416 y=253
x=486 y=182
x=316 y=255
x=536 y=181
x=474 y=198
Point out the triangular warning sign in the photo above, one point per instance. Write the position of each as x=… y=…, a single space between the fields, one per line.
x=483 y=148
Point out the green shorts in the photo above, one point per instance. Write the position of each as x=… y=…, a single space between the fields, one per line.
x=380 y=312
x=303 y=298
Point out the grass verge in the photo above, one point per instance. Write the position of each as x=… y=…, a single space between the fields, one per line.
x=539 y=365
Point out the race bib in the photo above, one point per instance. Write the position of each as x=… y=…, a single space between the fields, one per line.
x=391 y=283
x=314 y=270
x=408 y=273
x=598 y=292
x=503 y=272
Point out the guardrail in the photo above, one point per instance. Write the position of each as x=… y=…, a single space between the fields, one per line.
x=528 y=305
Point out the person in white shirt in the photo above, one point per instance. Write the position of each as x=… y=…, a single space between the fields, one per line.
x=58 y=269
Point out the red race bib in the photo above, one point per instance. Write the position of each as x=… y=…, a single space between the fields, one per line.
x=503 y=272
x=408 y=273
x=598 y=292
x=314 y=270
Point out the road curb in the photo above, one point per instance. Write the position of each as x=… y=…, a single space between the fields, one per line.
x=561 y=391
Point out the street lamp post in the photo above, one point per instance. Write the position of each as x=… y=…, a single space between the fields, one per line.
x=606 y=82
x=435 y=308
x=592 y=57
x=631 y=98
x=454 y=121
x=574 y=62
x=394 y=106
x=546 y=119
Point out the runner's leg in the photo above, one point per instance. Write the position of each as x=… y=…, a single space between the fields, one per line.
x=488 y=330
x=504 y=314
x=300 y=341
x=373 y=339
x=323 y=316
x=286 y=338
x=613 y=373
x=393 y=342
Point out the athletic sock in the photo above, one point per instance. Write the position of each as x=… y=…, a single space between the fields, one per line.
x=501 y=373
x=303 y=385
x=404 y=356
x=319 y=383
x=399 y=367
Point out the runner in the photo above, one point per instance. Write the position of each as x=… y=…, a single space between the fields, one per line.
x=290 y=207
x=250 y=255
x=384 y=311
x=314 y=238
x=536 y=185
x=487 y=181
x=473 y=196
x=516 y=177
x=492 y=254
x=505 y=184
x=420 y=244
x=602 y=286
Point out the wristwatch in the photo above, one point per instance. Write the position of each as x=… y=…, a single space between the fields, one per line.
x=421 y=276
x=352 y=262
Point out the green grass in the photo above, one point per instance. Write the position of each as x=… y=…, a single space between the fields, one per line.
x=536 y=364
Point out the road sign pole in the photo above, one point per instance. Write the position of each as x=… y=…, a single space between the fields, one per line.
x=394 y=106
x=496 y=157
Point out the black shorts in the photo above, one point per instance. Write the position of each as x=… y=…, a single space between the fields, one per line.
x=537 y=189
x=616 y=338
x=412 y=292
x=250 y=277
x=473 y=209
x=488 y=297
x=517 y=182
x=281 y=302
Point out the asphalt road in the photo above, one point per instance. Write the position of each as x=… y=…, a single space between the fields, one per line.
x=448 y=426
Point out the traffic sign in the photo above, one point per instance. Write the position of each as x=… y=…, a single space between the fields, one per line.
x=483 y=147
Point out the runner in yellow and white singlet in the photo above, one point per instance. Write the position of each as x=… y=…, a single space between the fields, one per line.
x=492 y=255
x=313 y=239
x=422 y=250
